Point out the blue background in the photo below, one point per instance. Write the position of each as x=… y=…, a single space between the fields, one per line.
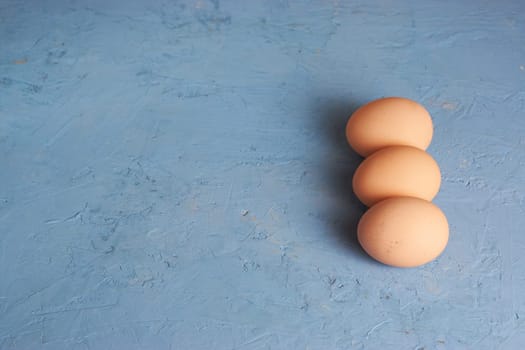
x=174 y=175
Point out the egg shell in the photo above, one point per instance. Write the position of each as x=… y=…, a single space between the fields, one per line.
x=403 y=231
x=387 y=122
x=396 y=171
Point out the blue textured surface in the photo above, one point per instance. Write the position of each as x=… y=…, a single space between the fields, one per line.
x=175 y=175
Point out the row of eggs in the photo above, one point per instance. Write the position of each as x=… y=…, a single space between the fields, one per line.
x=398 y=181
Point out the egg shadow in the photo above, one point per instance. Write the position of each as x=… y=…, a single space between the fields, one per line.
x=338 y=170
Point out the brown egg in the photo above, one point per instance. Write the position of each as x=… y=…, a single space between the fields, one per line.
x=387 y=122
x=396 y=171
x=403 y=231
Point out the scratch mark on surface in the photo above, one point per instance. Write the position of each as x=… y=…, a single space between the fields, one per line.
x=255 y=339
x=407 y=305
x=37 y=41
x=51 y=284
x=94 y=307
x=60 y=132
x=43 y=194
x=376 y=327
x=72 y=217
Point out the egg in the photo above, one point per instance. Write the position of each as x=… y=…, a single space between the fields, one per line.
x=403 y=231
x=396 y=171
x=389 y=121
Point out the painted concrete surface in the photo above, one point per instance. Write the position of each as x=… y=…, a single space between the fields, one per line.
x=174 y=175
